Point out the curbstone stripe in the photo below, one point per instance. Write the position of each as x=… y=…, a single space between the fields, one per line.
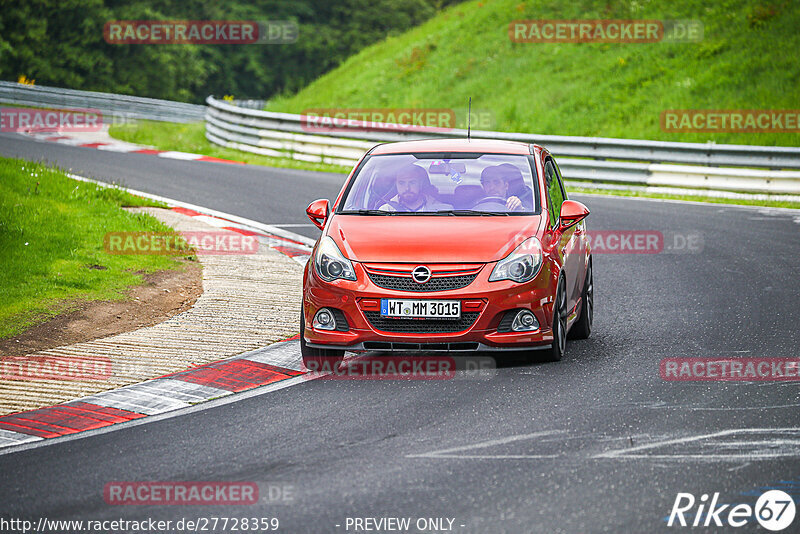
x=120 y=146
x=171 y=392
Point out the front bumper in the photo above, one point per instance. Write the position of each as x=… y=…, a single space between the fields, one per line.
x=359 y=300
x=426 y=347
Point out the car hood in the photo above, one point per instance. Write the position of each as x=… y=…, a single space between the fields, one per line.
x=430 y=239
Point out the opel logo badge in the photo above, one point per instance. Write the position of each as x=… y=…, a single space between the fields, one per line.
x=421 y=274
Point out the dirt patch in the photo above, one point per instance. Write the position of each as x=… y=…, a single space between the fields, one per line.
x=162 y=295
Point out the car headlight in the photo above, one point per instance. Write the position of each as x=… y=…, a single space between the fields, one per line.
x=521 y=265
x=331 y=263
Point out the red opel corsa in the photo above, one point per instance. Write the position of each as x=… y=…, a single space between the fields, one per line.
x=448 y=245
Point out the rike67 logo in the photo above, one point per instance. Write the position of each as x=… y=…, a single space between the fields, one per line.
x=774 y=510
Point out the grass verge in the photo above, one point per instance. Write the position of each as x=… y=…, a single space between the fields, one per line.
x=746 y=60
x=51 y=244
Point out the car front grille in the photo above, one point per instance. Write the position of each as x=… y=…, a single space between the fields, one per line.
x=421 y=326
x=436 y=283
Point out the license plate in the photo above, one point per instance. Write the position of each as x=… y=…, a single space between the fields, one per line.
x=421 y=309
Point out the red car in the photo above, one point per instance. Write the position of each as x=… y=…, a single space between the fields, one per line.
x=448 y=245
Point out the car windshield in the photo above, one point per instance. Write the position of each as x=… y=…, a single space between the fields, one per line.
x=446 y=184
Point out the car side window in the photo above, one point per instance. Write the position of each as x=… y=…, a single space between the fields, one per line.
x=555 y=193
x=560 y=181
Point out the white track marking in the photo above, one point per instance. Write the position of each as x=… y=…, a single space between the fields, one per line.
x=118 y=148
x=179 y=155
x=207 y=211
x=255 y=392
x=9 y=437
x=724 y=408
x=449 y=453
x=490 y=456
x=741 y=466
x=181 y=390
x=286 y=355
x=774 y=444
x=71 y=142
x=139 y=398
x=792 y=447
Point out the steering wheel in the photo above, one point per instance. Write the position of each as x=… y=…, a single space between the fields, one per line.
x=491 y=201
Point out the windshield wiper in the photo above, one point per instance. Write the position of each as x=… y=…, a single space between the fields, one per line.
x=440 y=212
x=367 y=212
x=471 y=212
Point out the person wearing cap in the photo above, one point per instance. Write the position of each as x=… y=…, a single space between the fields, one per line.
x=412 y=184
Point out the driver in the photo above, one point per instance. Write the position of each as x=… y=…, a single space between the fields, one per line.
x=412 y=182
x=495 y=184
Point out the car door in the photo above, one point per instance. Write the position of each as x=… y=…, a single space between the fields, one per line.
x=566 y=240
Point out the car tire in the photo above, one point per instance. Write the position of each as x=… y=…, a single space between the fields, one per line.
x=556 y=351
x=315 y=359
x=583 y=327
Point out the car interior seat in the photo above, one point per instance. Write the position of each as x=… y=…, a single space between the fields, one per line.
x=382 y=190
x=465 y=196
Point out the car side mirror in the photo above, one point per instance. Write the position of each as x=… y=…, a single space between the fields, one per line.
x=572 y=212
x=317 y=211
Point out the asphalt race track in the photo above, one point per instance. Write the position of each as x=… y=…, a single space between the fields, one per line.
x=597 y=442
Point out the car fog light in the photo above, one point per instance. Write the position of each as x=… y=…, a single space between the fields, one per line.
x=324 y=320
x=525 y=321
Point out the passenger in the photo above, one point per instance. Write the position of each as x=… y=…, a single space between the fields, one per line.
x=413 y=184
x=495 y=183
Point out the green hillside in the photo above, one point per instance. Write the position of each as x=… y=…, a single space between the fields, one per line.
x=748 y=59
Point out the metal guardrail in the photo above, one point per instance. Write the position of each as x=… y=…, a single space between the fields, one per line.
x=115 y=108
x=251 y=103
x=626 y=161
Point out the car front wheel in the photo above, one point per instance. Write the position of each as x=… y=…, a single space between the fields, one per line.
x=583 y=327
x=556 y=351
x=315 y=359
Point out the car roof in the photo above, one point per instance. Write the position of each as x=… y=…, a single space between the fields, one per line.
x=453 y=145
